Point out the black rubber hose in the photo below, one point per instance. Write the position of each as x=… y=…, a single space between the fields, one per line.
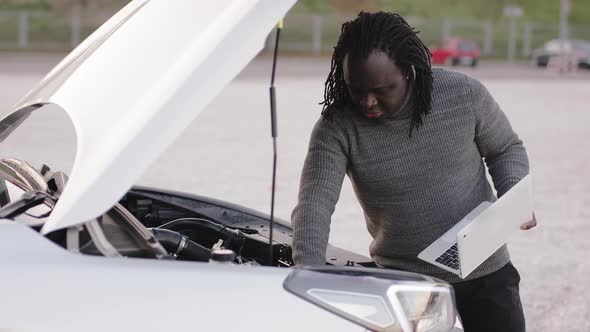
x=181 y=246
x=170 y=240
x=194 y=252
x=200 y=224
x=192 y=223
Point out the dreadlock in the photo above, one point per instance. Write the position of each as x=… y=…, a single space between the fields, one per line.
x=391 y=34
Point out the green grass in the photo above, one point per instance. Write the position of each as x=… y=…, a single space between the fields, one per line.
x=8 y=27
x=298 y=33
x=542 y=11
x=47 y=31
x=51 y=29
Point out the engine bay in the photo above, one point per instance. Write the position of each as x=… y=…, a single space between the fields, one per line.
x=155 y=223
x=211 y=224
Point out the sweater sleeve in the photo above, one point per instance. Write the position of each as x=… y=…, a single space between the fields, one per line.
x=503 y=151
x=321 y=181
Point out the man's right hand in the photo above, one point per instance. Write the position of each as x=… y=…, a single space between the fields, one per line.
x=529 y=224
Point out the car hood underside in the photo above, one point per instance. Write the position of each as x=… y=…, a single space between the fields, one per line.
x=133 y=85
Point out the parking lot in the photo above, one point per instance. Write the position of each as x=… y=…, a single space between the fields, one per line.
x=226 y=153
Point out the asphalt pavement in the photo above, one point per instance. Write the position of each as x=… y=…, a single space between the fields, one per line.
x=226 y=153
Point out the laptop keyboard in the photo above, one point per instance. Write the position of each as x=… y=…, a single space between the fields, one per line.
x=450 y=258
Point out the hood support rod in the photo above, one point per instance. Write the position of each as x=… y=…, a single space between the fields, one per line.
x=273 y=124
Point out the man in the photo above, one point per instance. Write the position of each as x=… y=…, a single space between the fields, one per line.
x=411 y=139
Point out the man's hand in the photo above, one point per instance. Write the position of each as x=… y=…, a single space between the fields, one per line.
x=529 y=224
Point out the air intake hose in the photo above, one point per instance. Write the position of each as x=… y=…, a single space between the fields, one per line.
x=233 y=239
x=181 y=246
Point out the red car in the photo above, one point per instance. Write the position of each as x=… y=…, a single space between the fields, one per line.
x=456 y=51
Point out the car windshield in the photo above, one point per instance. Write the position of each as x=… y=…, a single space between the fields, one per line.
x=582 y=46
x=555 y=46
x=466 y=46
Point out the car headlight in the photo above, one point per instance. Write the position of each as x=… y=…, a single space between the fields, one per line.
x=377 y=299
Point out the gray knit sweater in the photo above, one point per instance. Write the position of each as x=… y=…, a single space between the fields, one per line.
x=411 y=189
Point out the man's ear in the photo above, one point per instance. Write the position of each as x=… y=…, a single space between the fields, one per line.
x=410 y=73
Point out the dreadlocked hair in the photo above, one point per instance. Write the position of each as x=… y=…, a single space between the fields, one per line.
x=392 y=35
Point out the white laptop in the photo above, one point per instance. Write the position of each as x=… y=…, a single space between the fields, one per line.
x=483 y=231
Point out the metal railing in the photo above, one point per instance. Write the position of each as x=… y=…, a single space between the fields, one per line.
x=45 y=30
x=318 y=34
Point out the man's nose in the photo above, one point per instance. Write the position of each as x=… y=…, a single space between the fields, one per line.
x=369 y=101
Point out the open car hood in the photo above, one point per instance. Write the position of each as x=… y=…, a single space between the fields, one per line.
x=136 y=83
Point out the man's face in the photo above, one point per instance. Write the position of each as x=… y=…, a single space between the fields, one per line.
x=375 y=83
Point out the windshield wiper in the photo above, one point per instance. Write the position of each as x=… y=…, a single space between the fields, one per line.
x=28 y=200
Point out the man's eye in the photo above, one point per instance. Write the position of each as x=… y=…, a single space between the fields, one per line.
x=354 y=93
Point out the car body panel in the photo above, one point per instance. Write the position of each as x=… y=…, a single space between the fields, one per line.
x=53 y=289
x=128 y=103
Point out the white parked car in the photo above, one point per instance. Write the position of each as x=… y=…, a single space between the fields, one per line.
x=577 y=51
x=89 y=251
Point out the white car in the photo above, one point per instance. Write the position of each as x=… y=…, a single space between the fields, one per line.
x=577 y=51
x=89 y=251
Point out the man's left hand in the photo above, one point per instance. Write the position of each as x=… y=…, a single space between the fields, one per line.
x=529 y=224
